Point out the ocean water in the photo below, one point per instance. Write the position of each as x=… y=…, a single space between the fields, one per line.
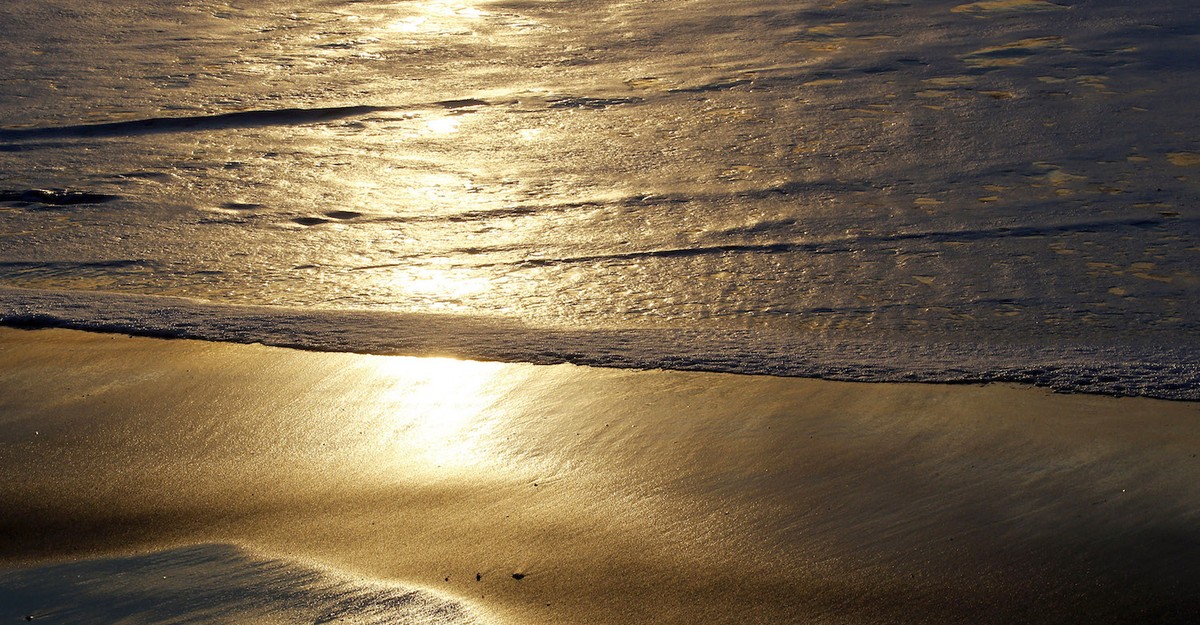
x=936 y=190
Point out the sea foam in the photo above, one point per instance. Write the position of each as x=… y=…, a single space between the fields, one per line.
x=1155 y=370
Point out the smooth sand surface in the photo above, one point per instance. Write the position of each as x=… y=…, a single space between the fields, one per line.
x=617 y=496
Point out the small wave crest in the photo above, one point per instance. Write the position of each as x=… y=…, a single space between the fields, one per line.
x=1163 y=371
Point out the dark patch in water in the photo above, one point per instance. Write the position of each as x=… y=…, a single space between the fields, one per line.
x=143 y=175
x=562 y=102
x=76 y=264
x=241 y=206
x=310 y=221
x=457 y=104
x=343 y=214
x=159 y=125
x=723 y=85
x=32 y=322
x=55 y=197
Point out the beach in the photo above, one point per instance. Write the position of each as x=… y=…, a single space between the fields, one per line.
x=532 y=312
x=513 y=493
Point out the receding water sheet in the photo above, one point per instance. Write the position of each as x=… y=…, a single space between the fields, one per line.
x=213 y=583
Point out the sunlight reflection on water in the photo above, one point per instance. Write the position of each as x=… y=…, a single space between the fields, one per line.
x=439 y=18
x=877 y=168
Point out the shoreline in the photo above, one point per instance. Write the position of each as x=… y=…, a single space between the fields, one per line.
x=618 y=495
x=1160 y=367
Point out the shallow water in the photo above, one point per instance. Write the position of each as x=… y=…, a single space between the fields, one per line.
x=927 y=182
x=215 y=583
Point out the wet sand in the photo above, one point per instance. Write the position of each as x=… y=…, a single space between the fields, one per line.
x=263 y=474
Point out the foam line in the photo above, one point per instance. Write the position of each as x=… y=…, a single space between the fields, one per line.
x=1164 y=371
